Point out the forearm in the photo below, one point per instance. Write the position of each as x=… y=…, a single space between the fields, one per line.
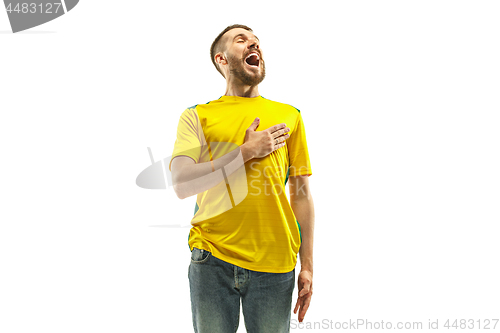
x=197 y=178
x=303 y=209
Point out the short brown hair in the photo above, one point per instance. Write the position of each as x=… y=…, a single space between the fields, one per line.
x=218 y=47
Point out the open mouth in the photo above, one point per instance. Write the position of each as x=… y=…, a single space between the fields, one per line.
x=253 y=59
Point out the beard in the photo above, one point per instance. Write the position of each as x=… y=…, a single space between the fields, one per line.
x=238 y=70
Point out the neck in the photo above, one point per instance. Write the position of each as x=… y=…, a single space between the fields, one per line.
x=241 y=90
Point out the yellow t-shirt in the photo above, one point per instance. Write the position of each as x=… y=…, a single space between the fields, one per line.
x=247 y=219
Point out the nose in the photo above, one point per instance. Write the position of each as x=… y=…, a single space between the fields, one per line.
x=254 y=44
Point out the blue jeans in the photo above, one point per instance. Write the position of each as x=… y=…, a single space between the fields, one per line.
x=217 y=286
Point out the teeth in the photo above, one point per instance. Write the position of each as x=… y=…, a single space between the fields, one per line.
x=258 y=58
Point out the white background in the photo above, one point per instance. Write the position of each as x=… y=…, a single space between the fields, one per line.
x=400 y=100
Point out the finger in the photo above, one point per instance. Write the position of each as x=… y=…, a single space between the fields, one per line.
x=281 y=139
x=279 y=145
x=254 y=124
x=303 y=308
x=296 y=306
x=275 y=128
x=286 y=136
x=302 y=314
x=281 y=132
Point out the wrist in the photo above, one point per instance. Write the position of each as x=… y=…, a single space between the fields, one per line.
x=306 y=268
x=306 y=265
x=246 y=152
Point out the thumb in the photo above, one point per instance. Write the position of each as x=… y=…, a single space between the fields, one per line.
x=305 y=290
x=255 y=124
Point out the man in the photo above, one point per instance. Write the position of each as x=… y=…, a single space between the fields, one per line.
x=237 y=154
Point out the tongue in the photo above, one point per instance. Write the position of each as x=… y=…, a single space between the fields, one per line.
x=252 y=60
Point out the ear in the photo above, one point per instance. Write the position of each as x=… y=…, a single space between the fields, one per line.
x=220 y=59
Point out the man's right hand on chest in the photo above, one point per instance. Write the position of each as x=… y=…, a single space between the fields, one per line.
x=262 y=143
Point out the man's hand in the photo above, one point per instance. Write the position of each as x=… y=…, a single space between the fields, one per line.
x=263 y=143
x=305 y=292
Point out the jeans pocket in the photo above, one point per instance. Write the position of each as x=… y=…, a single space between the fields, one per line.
x=199 y=256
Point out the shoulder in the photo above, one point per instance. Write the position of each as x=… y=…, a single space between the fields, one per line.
x=190 y=114
x=283 y=106
x=193 y=107
x=192 y=110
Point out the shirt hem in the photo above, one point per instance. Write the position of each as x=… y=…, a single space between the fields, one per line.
x=264 y=269
x=302 y=173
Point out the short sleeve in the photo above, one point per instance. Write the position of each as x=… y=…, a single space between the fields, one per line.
x=297 y=150
x=190 y=136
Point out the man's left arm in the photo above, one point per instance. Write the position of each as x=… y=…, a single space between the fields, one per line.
x=303 y=208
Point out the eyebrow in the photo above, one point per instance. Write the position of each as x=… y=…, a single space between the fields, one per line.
x=242 y=34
